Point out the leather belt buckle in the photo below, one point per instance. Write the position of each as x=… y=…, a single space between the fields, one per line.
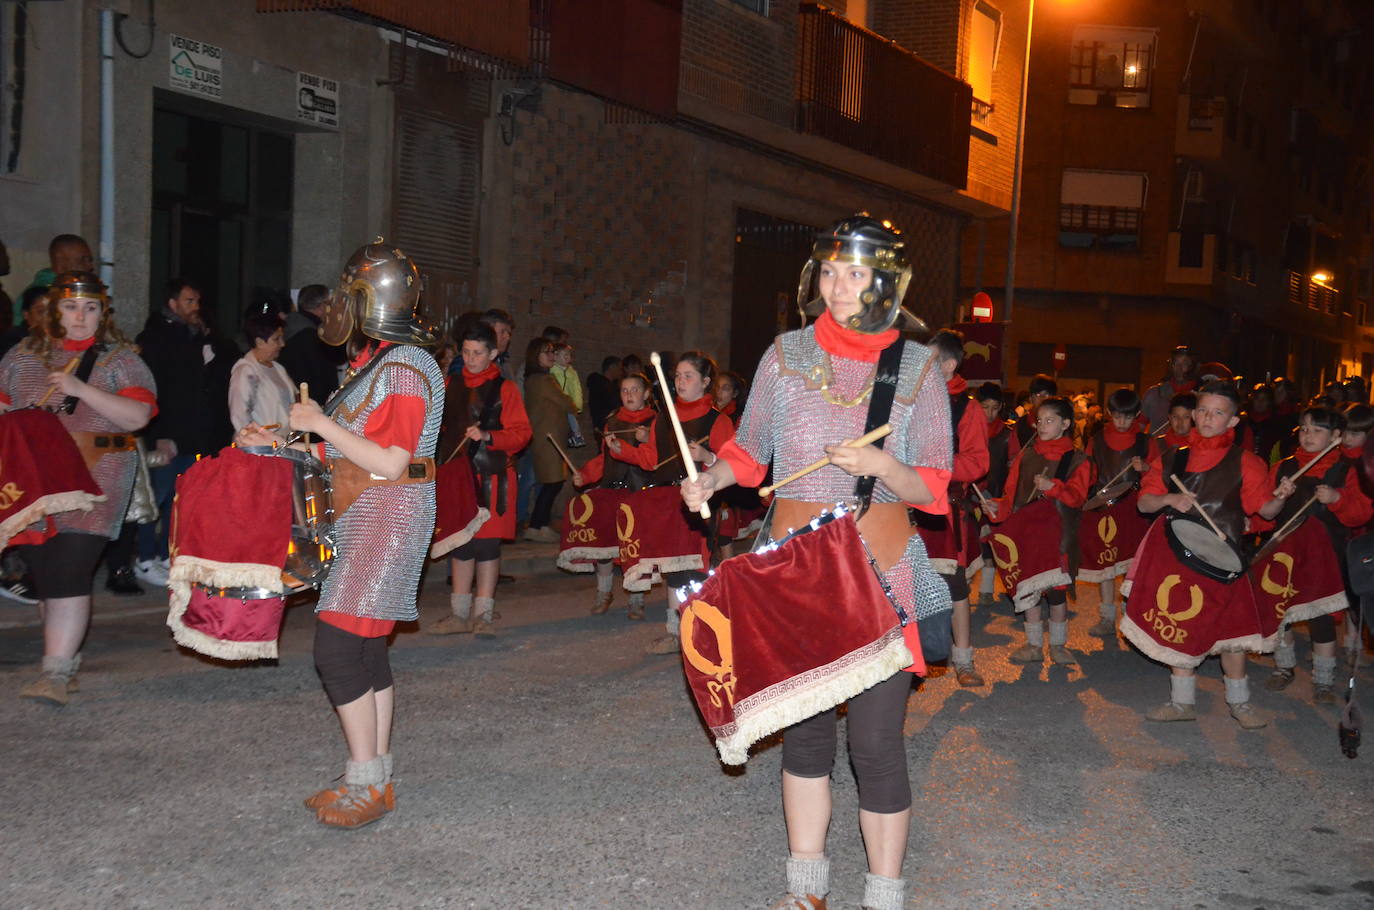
x=417 y=470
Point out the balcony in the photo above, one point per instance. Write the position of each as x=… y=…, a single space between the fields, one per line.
x=862 y=91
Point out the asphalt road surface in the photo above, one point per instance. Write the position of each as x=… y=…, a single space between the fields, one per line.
x=560 y=766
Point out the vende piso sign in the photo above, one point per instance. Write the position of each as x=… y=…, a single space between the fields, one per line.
x=194 y=66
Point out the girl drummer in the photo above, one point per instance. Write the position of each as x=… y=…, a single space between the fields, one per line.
x=78 y=360
x=812 y=390
x=383 y=424
x=1040 y=470
x=1340 y=506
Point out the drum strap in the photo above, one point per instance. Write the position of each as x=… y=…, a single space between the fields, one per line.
x=880 y=408
x=83 y=373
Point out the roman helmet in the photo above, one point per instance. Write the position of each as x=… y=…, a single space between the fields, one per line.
x=78 y=284
x=378 y=293
x=861 y=240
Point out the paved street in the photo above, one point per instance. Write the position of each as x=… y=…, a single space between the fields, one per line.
x=559 y=766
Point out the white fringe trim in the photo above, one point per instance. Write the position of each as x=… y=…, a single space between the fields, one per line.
x=808 y=694
x=43 y=506
x=1107 y=573
x=1332 y=603
x=197 y=570
x=1028 y=590
x=1253 y=643
x=974 y=568
x=201 y=643
x=584 y=559
x=644 y=574
x=459 y=537
x=945 y=566
x=751 y=530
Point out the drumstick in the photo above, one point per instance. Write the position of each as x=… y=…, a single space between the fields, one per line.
x=1278 y=535
x=1039 y=492
x=1303 y=470
x=1197 y=505
x=1120 y=474
x=305 y=394
x=567 y=461
x=677 y=455
x=979 y=493
x=628 y=432
x=688 y=463
x=866 y=439
x=71 y=365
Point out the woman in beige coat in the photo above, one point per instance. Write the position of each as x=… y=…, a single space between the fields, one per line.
x=548 y=407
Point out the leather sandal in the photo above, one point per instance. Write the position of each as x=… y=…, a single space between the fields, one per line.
x=359 y=806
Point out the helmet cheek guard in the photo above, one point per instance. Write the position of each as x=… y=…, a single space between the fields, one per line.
x=378 y=294
x=337 y=319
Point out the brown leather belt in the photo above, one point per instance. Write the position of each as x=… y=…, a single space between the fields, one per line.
x=348 y=481
x=94 y=446
x=885 y=527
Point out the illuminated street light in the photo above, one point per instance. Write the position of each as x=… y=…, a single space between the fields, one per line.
x=1322 y=279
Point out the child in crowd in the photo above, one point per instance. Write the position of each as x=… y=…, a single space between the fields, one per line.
x=566 y=376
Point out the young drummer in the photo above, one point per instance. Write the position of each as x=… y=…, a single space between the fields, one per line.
x=943 y=533
x=1232 y=484
x=1118 y=451
x=630 y=422
x=1177 y=427
x=706 y=430
x=1054 y=468
x=728 y=393
x=486 y=416
x=1002 y=451
x=1339 y=506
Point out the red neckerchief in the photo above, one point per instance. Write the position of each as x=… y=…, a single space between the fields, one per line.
x=1210 y=443
x=839 y=341
x=1352 y=452
x=1116 y=440
x=69 y=345
x=1173 y=440
x=1053 y=448
x=1303 y=458
x=730 y=408
x=957 y=385
x=1141 y=425
x=996 y=425
x=639 y=416
x=691 y=410
x=473 y=380
x=368 y=353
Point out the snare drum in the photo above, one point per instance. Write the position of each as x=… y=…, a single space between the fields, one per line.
x=1197 y=546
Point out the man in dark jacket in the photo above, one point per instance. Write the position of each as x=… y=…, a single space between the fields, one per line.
x=603 y=392
x=179 y=349
x=306 y=358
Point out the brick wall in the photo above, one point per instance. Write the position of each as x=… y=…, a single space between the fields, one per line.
x=739 y=59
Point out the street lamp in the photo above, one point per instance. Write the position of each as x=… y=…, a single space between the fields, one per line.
x=1322 y=278
x=1009 y=285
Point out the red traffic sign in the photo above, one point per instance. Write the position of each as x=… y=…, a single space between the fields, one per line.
x=1061 y=358
x=981 y=310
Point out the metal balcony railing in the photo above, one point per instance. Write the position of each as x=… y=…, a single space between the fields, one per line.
x=865 y=92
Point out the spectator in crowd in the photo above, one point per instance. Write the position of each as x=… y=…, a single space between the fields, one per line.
x=66 y=253
x=306 y=358
x=1042 y=386
x=32 y=309
x=179 y=349
x=565 y=375
x=548 y=408
x=1181 y=378
x=1355 y=392
x=260 y=391
x=503 y=325
x=603 y=396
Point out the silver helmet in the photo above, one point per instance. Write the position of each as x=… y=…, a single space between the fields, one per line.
x=378 y=293
x=861 y=240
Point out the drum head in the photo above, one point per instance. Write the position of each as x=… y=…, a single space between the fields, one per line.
x=1197 y=546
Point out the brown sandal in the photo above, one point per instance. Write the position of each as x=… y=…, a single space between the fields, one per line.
x=359 y=806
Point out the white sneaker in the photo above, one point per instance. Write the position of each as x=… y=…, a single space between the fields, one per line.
x=151 y=571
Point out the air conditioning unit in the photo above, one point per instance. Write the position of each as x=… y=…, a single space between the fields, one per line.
x=1194 y=186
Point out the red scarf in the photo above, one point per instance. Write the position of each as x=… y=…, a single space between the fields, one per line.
x=367 y=353
x=1116 y=440
x=639 y=416
x=839 y=341
x=1201 y=443
x=1173 y=440
x=957 y=385
x=69 y=345
x=996 y=425
x=1053 y=448
x=690 y=410
x=730 y=408
x=1303 y=458
x=473 y=380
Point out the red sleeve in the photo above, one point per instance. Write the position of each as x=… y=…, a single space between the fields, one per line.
x=1074 y=491
x=593 y=470
x=515 y=432
x=138 y=393
x=748 y=472
x=644 y=455
x=1153 y=481
x=971 y=461
x=1255 y=488
x=397 y=421
x=1353 y=509
x=1008 y=496
x=5 y=399
x=937 y=481
x=722 y=431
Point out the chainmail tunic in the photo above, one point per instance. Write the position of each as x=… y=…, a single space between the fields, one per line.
x=381 y=541
x=796 y=407
x=24 y=378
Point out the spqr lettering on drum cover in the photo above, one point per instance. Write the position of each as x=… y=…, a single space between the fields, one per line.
x=1106 y=530
x=625 y=530
x=1007 y=558
x=1162 y=617
x=723 y=673
x=1285 y=592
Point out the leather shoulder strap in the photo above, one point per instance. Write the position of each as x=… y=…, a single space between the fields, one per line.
x=83 y=372
x=880 y=406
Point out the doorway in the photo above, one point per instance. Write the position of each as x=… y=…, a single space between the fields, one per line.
x=769 y=255
x=221 y=213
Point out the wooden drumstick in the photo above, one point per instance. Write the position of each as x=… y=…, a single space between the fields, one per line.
x=1039 y=492
x=71 y=365
x=677 y=455
x=561 y=454
x=629 y=432
x=979 y=493
x=866 y=439
x=305 y=396
x=1197 y=505
x=1287 y=525
x=1303 y=470
x=1119 y=474
x=688 y=463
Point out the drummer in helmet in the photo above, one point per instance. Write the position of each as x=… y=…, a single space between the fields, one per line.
x=77 y=363
x=379 y=431
x=1175 y=612
x=813 y=391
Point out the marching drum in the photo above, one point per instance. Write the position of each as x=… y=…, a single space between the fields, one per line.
x=1198 y=547
x=42 y=471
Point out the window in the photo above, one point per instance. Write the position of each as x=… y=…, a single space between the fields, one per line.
x=1101 y=210
x=985 y=33
x=758 y=6
x=1111 y=66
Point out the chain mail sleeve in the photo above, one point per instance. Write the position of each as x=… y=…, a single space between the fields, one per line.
x=751 y=450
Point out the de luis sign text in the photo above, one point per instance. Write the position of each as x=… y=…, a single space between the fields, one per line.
x=195 y=67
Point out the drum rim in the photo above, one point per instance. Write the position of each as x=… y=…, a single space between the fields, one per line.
x=1197 y=563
